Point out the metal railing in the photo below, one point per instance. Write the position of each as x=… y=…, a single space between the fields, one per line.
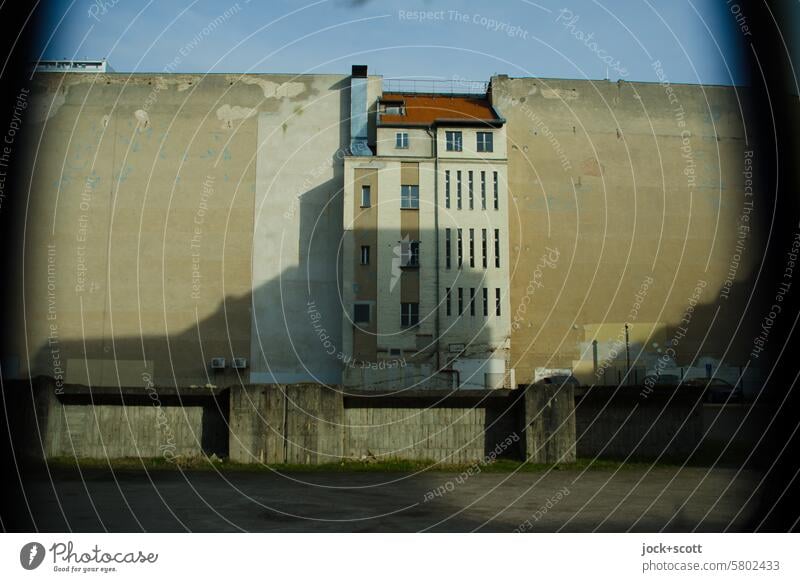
x=435 y=86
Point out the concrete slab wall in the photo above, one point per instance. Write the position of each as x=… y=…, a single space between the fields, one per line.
x=76 y=421
x=621 y=423
x=549 y=424
x=309 y=416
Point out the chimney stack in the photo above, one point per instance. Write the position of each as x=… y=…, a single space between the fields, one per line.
x=358 y=112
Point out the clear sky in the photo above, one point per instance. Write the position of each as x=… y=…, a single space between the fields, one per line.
x=695 y=40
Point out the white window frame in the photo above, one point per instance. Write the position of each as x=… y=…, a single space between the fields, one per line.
x=454 y=141
x=366 y=202
x=485 y=141
x=408 y=315
x=401 y=140
x=365 y=254
x=409 y=196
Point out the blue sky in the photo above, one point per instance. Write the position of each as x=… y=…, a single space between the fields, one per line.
x=696 y=41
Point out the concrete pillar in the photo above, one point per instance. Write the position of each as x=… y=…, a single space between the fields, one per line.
x=297 y=423
x=549 y=425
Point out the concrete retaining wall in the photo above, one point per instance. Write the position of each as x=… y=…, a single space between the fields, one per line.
x=550 y=424
x=103 y=423
x=322 y=425
x=621 y=422
x=308 y=414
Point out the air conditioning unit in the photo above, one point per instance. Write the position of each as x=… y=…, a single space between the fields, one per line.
x=217 y=363
x=239 y=363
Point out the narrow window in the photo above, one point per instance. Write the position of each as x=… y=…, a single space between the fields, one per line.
x=365 y=255
x=401 y=141
x=472 y=248
x=447 y=253
x=483 y=190
x=471 y=191
x=409 y=253
x=447 y=189
x=496 y=194
x=361 y=313
x=497 y=247
x=366 y=199
x=485 y=141
x=409 y=314
x=453 y=139
x=460 y=300
x=497 y=301
x=409 y=196
x=458 y=189
x=447 y=301
x=460 y=249
x=472 y=301
x=485 y=301
x=483 y=247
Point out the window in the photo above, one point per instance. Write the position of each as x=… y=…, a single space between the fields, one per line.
x=472 y=301
x=447 y=248
x=460 y=248
x=409 y=196
x=497 y=301
x=453 y=139
x=409 y=314
x=460 y=300
x=366 y=198
x=497 y=247
x=485 y=302
x=447 y=189
x=483 y=190
x=393 y=109
x=472 y=248
x=447 y=301
x=401 y=141
x=458 y=189
x=361 y=313
x=485 y=141
x=471 y=197
x=365 y=255
x=483 y=247
x=409 y=253
x=496 y=194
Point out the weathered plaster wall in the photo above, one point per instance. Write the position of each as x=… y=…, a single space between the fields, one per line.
x=298 y=229
x=139 y=226
x=612 y=185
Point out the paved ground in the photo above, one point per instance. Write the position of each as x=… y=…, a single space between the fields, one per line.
x=666 y=499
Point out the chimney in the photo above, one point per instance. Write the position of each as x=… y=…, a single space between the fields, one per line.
x=358 y=112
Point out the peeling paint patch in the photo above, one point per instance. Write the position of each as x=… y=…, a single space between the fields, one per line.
x=142 y=118
x=228 y=114
x=565 y=94
x=274 y=90
x=591 y=167
x=45 y=106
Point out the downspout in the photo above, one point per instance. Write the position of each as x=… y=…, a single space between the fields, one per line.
x=436 y=236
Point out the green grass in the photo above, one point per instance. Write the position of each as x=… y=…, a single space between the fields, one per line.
x=344 y=466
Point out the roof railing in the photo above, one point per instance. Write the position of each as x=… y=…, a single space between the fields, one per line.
x=435 y=86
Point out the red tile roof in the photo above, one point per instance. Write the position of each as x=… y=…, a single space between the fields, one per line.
x=430 y=109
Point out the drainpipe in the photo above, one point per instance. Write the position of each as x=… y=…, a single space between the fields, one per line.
x=436 y=236
x=285 y=427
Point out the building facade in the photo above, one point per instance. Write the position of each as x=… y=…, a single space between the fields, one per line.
x=425 y=248
x=314 y=228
